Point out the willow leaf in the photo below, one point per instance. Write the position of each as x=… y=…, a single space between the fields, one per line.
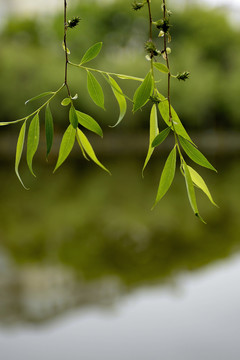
x=191 y=191
x=66 y=145
x=161 y=137
x=12 y=122
x=195 y=154
x=95 y=90
x=167 y=176
x=143 y=92
x=89 y=123
x=81 y=147
x=19 y=150
x=152 y=134
x=73 y=118
x=128 y=77
x=32 y=141
x=66 y=101
x=161 y=67
x=200 y=183
x=39 y=96
x=91 y=53
x=49 y=128
x=120 y=99
x=89 y=150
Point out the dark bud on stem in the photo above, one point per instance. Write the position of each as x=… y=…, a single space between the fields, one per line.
x=151 y=48
x=73 y=22
x=163 y=25
x=155 y=99
x=183 y=76
x=137 y=5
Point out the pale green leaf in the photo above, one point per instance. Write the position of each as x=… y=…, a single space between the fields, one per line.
x=161 y=67
x=81 y=147
x=64 y=48
x=120 y=99
x=95 y=90
x=200 y=183
x=191 y=191
x=143 y=92
x=195 y=154
x=73 y=118
x=128 y=77
x=152 y=134
x=167 y=176
x=49 y=128
x=12 y=122
x=19 y=151
x=32 y=141
x=66 y=145
x=89 y=123
x=161 y=137
x=66 y=101
x=91 y=53
x=39 y=96
x=88 y=149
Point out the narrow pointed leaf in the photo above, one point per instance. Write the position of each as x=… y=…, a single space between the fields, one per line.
x=12 y=122
x=195 y=154
x=161 y=137
x=66 y=101
x=91 y=53
x=89 y=150
x=191 y=191
x=66 y=145
x=120 y=99
x=32 y=141
x=19 y=151
x=152 y=134
x=73 y=118
x=89 y=123
x=39 y=96
x=81 y=147
x=143 y=92
x=200 y=183
x=161 y=67
x=128 y=77
x=95 y=90
x=167 y=176
x=49 y=128
x=164 y=111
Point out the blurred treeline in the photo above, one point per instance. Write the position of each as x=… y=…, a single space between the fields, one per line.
x=203 y=42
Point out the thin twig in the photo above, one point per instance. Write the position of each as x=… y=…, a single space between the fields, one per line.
x=66 y=48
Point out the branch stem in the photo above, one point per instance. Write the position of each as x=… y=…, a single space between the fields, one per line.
x=66 y=48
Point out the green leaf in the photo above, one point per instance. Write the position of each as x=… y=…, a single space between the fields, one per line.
x=161 y=67
x=91 y=53
x=12 y=122
x=128 y=77
x=164 y=111
x=32 y=141
x=195 y=154
x=161 y=137
x=143 y=92
x=95 y=90
x=39 y=96
x=19 y=151
x=73 y=118
x=120 y=99
x=88 y=149
x=200 y=183
x=191 y=191
x=167 y=176
x=152 y=134
x=81 y=147
x=89 y=123
x=64 y=49
x=66 y=145
x=66 y=101
x=49 y=128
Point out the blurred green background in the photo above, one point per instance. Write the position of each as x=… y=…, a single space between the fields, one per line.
x=100 y=227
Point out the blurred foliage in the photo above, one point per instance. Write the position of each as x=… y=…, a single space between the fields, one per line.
x=204 y=43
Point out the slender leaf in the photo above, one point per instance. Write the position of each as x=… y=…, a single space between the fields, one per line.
x=195 y=154
x=88 y=149
x=12 y=122
x=19 y=151
x=32 y=141
x=152 y=134
x=143 y=92
x=161 y=137
x=73 y=118
x=164 y=111
x=49 y=128
x=39 y=96
x=161 y=67
x=200 y=183
x=81 y=147
x=95 y=90
x=91 y=53
x=128 y=77
x=66 y=145
x=120 y=99
x=66 y=101
x=191 y=191
x=167 y=176
x=89 y=123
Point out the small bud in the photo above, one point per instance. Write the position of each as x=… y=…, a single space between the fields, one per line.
x=151 y=48
x=73 y=22
x=183 y=76
x=161 y=33
x=169 y=12
x=163 y=25
x=155 y=99
x=168 y=50
x=137 y=5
